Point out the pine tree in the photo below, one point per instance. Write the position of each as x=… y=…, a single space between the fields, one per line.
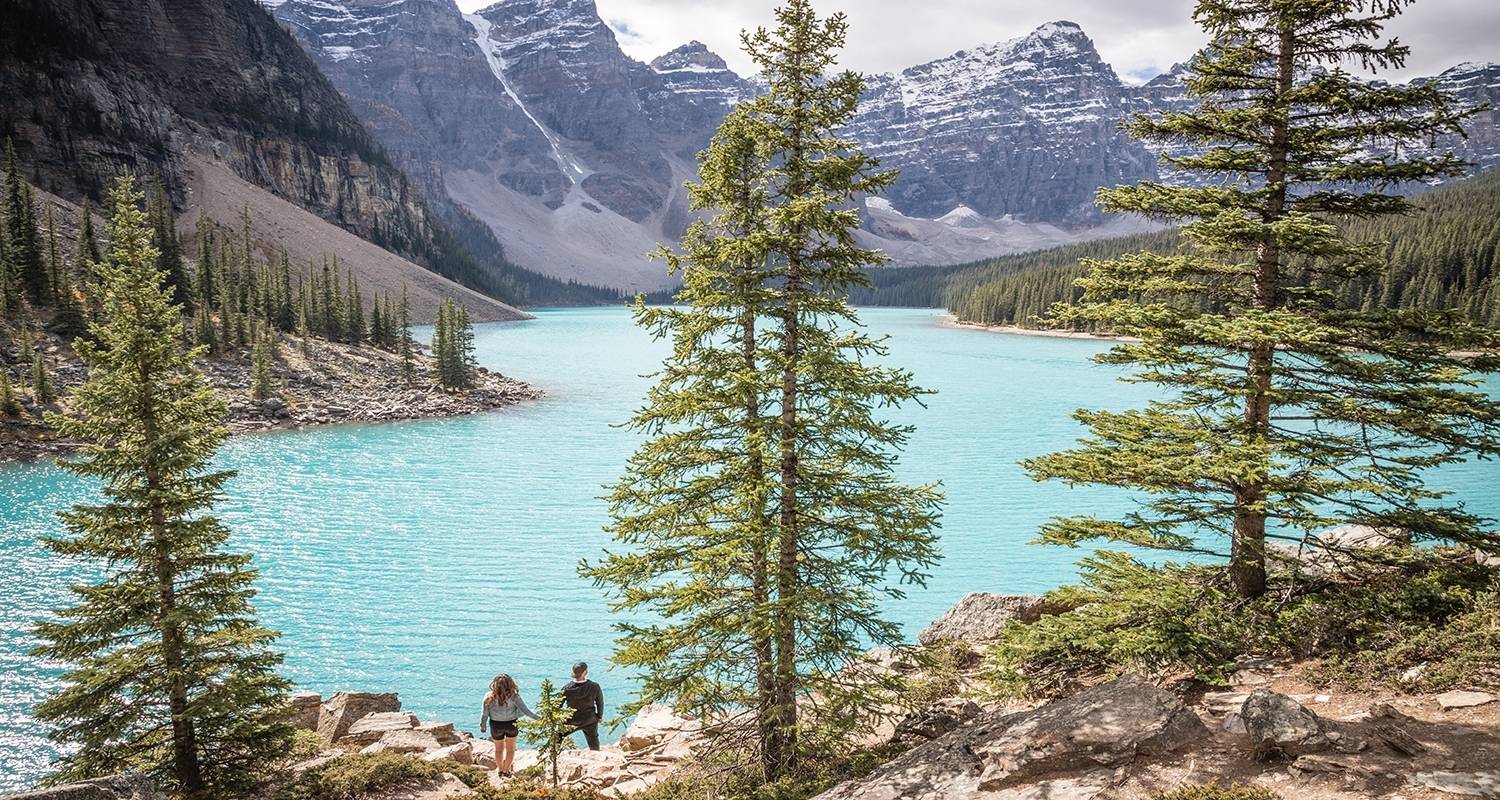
x=548 y=732
x=41 y=382
x=9 y=405
x=88 y=245
x=821 y=508
x=464 y=364
x=168 y=246
x=262 y=385
x=205 y=289
x=1291 y=409
x=408 y=365
x=28 y=273
x=170 y=674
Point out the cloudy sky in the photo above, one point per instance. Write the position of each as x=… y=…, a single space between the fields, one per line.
x=1140 y=38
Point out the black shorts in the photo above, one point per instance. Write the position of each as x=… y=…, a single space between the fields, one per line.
x=502 y=730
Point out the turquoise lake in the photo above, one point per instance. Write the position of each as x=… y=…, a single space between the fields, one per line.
x=424 y=557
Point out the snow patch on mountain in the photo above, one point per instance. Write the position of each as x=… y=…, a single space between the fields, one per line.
x=571 y=167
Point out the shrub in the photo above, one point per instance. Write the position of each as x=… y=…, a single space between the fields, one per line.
x=351 y=777
x=1213 y=791
x=306 y=744
x=1437 y=609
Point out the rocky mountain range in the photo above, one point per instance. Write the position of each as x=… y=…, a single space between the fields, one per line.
x=530 y=116
x=218 y=102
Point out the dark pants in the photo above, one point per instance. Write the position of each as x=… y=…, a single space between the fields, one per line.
x=590 y=732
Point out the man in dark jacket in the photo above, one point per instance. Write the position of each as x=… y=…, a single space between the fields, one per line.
x=587 y=701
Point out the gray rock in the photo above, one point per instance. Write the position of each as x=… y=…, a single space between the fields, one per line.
x=1466 y=784
x=981 y=617
x=936 y=719
x=1064 y=743
x=442 y=731
x=275 y=407
x=463 y=753
x=346 y=708
x=1280 y=726
x=374 y=726
x=401 y=740
x=306 y=708
x=114 y=787
x=1463 y=699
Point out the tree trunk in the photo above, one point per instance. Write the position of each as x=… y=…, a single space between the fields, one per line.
x=782 y=743
x=760 y=590
x=1247 y=559
x=184 y=741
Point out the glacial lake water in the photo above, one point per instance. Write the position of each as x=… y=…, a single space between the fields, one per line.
x=424 y=557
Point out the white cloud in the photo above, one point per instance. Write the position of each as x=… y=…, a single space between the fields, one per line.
x=1137 y=37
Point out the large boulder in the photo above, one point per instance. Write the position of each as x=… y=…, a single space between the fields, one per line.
x=659 y=727
x=1280 y=726
x=305 y=707
x=981 y=617
x=595 y=769
x=346 y=708
x=371 y=727
x=1069 y=745
x=114 y=787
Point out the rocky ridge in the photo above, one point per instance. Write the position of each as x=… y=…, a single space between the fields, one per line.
x=573 y=152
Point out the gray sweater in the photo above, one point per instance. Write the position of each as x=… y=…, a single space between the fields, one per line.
x=509 y=711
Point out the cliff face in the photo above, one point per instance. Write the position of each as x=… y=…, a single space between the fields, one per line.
x=1027 y=128
x=96 y=87
x=528 y=115
x=93 y=88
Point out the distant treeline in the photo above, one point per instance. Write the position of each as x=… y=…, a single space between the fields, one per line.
x=1444 y=255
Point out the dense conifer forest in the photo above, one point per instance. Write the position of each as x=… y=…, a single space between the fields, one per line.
x=1443 y=256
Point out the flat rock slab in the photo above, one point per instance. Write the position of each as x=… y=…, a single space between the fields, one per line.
x=373 y=726
x=1063 y=745
x=1463 y=699
x=981 y=617
x=1465 y=784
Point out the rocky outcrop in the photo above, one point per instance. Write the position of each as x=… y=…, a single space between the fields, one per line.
x=981 y=617
x=1073 y=742
x=306 y=708
x=344 y=709
x=1279 y=726
x=115 y=787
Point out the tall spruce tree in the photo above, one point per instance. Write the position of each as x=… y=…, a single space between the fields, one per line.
x=1290 y=408
x=804 y=493
x=23 y=251
x=703 y=476
x=408 y=365
x=169 y=673
x=9 y=405
x=42 y=392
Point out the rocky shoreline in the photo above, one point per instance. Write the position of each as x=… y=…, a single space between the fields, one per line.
x=319 y=383
x=1126 y=738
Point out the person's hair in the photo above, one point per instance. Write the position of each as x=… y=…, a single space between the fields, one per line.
x=579 y=670
x=502 y=689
